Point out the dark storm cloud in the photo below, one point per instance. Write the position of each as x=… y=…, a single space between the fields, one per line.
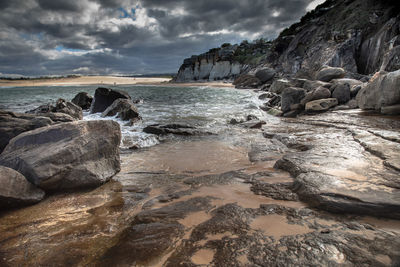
x=39 y=37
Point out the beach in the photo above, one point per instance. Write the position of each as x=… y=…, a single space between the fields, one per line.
x=106 y=80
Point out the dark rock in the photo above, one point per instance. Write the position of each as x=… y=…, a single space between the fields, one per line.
x=318 y=93
x=354 y=90
x=178 y=129
x=13 y=124
x=265 y=96
x=312 y=85
x=251 y=117
x=274 y=101
x=291 y=95
x=125 y=110
x=265 y=74
x=235 y=121
x=61 y=106
x=327 y=74
x=292 y=113
x=341 y=92
x=321 y=105
x=69 y=108
x=65 y=156
x=253 y=124
x=246 y=81
x=278 y=86
x=82 y=100
x=383 y=90
x=16 y=191
x=104 y=97
x=57 y=116
x=296 y=107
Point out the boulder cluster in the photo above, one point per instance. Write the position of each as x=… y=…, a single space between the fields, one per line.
x=51 y=149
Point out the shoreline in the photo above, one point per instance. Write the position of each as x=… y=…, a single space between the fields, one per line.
x=105 y=80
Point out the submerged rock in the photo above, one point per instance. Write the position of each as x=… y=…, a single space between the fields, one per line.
x=125 y=109
x=13 y=124
x=104 y=97
x=82 y=100
x=66 y=156
x=178 y=129
x=16 y=191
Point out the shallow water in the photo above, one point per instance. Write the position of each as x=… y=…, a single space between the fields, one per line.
x=207 y=108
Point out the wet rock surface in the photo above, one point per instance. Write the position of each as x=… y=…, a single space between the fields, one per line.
x=105 y=97
x=124 y=109
x=66 y=156
x=227 y=205
x=178 y=129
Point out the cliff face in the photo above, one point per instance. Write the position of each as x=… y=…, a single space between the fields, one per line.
x=216 y=64
x=361 y=36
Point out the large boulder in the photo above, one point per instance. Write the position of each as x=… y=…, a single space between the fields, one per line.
x=327 y=74
x=246 y=81
x=13 y=124
x=265 y=74
x=319 y=93
x=341 y=92
x=16 y=191
x=104 y=97
x=312 y=85
x=290 y=96
x=69 y=155
x=82 y=100
x=383 y=90
x=278 y=86
x=125 y=109
x=321 y=105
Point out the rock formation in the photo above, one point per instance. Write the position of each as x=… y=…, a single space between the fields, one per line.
x=67 y=155
x=105 y=97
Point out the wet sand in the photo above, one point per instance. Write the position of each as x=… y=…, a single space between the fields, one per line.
x=104 y=80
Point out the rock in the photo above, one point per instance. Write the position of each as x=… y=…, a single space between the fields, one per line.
x=316 y=94
x=253 y=124
x=57 y=116
x=70 y=155
x=13 y=124
x=82 y=100
x=352 y=104
x=275 y=112
x=312 y=85
x=278 y=86
x=16 y=191
x=235 y=121
x=61 y=106
x=104 y=97
x=251 y=117
x=178 y=129
x=125 y=110
x=341 y=92
x=291 y=95
x=292 y=114
x=274 y=101
x=296 y=107
x=265 y=96
x=321 y=104
x=246 y=81
x=391 y=110
x=327 y=74
x=69 y=108
x=354 y=90
x=265 y=74
x=383 y=90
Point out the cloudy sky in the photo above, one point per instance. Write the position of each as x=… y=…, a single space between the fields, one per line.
x=42 y=37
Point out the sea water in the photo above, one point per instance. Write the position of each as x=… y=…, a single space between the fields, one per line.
x=207 y=108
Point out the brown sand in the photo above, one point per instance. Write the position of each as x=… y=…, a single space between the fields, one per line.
x=106 y=80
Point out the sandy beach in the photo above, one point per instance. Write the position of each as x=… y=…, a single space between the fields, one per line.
x=106 y=80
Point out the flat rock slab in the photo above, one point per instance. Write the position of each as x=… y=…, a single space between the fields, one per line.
x=347 y=169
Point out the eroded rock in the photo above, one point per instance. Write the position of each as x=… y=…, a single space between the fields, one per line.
x=104 y=97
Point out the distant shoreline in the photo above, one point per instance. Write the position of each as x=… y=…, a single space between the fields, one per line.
x=104 y=80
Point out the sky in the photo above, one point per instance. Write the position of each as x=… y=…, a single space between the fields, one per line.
x=128 y=37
